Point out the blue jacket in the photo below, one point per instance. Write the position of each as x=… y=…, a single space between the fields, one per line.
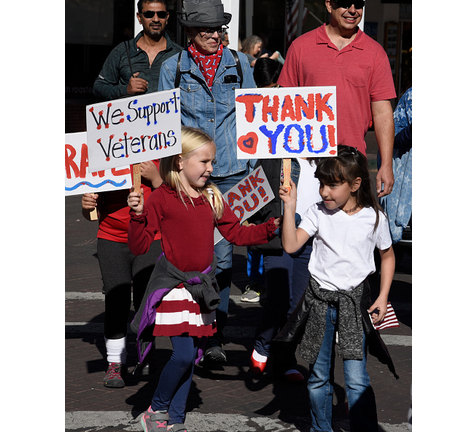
x=211 y=110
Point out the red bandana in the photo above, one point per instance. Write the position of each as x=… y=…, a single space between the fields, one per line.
x=207 y=64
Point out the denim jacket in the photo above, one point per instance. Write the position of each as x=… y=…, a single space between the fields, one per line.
x=211 y=110
x=398 y=205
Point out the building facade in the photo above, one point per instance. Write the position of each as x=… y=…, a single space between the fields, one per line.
x=93 y=28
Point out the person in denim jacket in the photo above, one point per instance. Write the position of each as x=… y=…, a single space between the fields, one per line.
x=209 y=75
x=398 y=205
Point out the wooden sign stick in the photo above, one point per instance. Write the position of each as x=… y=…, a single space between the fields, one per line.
x=287 y=173
x=136 y=180
x=93 y=215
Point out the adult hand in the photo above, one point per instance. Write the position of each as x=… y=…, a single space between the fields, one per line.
x=137 y=85
x=385 y=176
x=149 y=171
x=89 y=201
x=88 y=205
x=382 y=114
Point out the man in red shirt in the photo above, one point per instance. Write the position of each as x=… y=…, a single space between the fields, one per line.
x=340 y=54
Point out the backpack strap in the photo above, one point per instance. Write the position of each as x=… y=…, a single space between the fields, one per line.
x=238 y=66
x=177 y=72
x=126 y=43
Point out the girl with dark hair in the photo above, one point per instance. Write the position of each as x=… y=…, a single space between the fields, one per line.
x=345 y=229
x=266 y=72
x=347 y=167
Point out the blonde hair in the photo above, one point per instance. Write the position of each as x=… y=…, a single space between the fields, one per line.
x=192 y=139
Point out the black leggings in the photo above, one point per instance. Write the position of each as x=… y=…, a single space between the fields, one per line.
x=121 y=270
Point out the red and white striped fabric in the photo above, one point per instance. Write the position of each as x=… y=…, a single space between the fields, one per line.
x=390 y=319
x=178 y=313
x=292 y=12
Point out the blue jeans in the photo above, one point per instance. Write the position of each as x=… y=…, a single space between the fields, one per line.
x=287 y=277
x=255 y=267
x=176 y=378
x=360 y=396
x=224 y=254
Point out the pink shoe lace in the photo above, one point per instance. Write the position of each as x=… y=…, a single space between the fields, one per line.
x=151 y=424
x=114 y=371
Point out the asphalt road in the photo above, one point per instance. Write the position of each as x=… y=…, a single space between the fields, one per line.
x=228 y=398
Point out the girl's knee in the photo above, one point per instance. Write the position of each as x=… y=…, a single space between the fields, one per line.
x=184 y=353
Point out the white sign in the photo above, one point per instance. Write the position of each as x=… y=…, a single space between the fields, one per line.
x=286 y=122
x=132 y=130
x=79 y=180
x=248 y=196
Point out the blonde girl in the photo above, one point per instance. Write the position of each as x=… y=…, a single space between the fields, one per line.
x=182 y=294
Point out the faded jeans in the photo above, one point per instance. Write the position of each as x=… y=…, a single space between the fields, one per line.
x=360 y=395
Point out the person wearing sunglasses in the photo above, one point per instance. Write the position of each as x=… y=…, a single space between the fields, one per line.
x=339 y=54
x=133 y=66
x=208 y=73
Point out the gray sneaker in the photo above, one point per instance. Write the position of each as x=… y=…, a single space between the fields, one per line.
x=154 y=420
x=252 y=294
x=113 y=378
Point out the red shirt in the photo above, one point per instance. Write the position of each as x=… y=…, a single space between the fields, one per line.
x=114 y=212
x=187 y=231
x=360 y=71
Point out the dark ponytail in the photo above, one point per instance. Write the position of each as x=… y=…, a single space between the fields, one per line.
x=346 y=167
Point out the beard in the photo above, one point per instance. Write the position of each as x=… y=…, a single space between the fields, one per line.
x=155 y=34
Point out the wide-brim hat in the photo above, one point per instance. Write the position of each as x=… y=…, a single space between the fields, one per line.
x=203 y=13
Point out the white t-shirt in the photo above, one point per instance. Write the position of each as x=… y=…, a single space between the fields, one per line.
x=307 y=187
x=343 y=245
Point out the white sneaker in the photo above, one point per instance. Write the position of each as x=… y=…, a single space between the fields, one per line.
x=251 y=295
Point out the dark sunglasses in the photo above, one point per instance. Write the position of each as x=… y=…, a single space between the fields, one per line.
x=208 y=33
x=346 y=4
x=150 y=14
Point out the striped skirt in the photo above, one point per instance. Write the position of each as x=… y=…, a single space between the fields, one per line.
x=179 y=314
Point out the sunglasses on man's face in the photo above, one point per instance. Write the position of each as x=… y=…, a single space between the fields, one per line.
x=150 y=14
x=346 y=4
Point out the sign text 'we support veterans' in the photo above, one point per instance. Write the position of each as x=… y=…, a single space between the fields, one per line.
x=132 y=130
x=286 y=122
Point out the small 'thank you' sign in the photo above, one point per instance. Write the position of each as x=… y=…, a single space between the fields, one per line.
x=132 y=130
x=248 y=196
x=286 y=122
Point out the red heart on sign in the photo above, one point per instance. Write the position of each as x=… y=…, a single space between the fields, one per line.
x=248 y=143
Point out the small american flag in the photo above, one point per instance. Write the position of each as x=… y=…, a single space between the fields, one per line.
x=292 y=12
x=390 y=319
